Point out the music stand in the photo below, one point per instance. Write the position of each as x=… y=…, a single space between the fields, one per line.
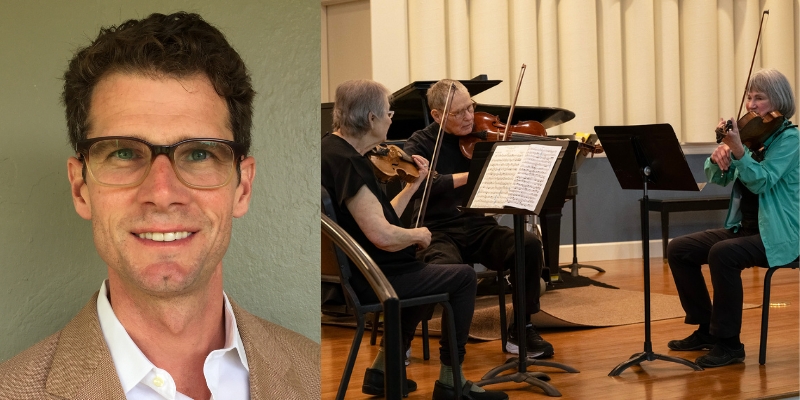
x=642 y=157
x=573 y=195
x=555 y=188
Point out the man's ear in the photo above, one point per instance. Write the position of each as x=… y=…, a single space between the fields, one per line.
x=437 y=116
x=79 y=190
x=241 y=203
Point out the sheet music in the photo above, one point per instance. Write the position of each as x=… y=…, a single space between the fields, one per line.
x=516 y=176
x=499 y=176
x=531 y=178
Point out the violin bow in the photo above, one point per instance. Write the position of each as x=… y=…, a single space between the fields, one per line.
x=511 y=111
x=426 y=193
x=755 y=51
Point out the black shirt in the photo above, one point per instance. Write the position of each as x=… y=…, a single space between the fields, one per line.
x=344 y=172
x=444 y=200
x=748 y=207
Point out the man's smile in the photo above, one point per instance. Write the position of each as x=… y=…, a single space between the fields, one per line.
x=164 y=236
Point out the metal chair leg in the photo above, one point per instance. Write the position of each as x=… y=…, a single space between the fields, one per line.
x=351 y=358
x=762 y=349
x=376 y=319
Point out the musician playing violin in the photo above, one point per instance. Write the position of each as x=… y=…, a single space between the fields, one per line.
x=361 y=119
x=761 y=228
x=458 y=237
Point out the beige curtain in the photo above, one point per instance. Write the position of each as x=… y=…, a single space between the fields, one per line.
x=612 y=62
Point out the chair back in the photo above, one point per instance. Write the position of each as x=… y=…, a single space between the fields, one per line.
x=349 y=253
x=331 y=257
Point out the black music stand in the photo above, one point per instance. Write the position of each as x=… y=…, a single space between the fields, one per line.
x=642 y=157
x=555 y=188
x=573 y=195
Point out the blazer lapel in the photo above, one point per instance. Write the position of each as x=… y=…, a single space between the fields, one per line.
x=269 y=365
x=82 y=366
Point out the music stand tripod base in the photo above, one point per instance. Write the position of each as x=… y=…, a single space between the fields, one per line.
x=638 y=358
x=538 y=379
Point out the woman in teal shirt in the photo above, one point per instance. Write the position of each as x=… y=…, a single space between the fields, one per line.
x=761 y=228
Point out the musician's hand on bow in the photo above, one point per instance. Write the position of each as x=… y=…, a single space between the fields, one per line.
x=424 y=237
x=733 y=140
x=722 y=156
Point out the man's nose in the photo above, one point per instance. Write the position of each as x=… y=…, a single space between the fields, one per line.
x=161 y=185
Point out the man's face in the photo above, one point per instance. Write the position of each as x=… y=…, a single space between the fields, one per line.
x=460 y=120
x=161 y=111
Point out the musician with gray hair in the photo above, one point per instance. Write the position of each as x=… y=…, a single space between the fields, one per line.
x=458 y=237
x=761 y=228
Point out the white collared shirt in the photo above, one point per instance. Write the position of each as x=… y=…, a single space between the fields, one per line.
x=226 y=371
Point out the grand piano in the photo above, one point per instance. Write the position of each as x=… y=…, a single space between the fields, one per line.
x=412 y=113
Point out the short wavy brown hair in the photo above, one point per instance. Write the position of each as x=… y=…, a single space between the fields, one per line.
x=178 y=45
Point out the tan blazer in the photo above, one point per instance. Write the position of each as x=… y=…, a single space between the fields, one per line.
x=75 y=363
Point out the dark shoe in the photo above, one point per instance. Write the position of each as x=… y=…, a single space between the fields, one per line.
x=721 y=355
x=535 y=346
x=695 y=341
x=374 y=383
x=445 y=392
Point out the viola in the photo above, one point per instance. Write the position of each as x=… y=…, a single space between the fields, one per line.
x=490 y=128
x=391 y=163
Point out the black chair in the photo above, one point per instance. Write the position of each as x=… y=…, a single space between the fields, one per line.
x=426 y=352
x=762 y=350
x=345 y=247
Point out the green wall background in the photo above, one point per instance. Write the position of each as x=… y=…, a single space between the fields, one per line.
x=48 y=264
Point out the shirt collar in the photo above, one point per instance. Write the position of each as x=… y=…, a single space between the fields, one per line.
x=131 y=364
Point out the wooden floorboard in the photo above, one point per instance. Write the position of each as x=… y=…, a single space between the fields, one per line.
x=595 y=352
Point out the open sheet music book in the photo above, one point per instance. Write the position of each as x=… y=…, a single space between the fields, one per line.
x=516 y=176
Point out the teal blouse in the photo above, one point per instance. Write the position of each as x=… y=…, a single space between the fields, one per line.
x=776 y=181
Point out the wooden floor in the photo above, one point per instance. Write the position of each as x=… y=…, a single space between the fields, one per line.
x=595 y=352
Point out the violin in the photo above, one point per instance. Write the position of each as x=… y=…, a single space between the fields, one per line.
x=753 y=128
x=488 y=127
x=390 y=163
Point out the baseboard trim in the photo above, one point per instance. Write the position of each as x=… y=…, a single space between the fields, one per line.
x=608 y=251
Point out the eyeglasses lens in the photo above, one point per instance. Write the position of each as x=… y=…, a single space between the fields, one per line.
x=204 y=164
x=123 y=162
x=463 y=113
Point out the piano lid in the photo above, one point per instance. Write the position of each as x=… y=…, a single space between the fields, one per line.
x=547 y=116
x=411 y=109
x=410 y=105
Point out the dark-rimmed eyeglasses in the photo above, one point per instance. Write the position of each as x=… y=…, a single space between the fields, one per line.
x=121 y=161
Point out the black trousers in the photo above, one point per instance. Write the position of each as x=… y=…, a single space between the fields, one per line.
x=456 y=280
x=482 y=240
x=727 y=254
